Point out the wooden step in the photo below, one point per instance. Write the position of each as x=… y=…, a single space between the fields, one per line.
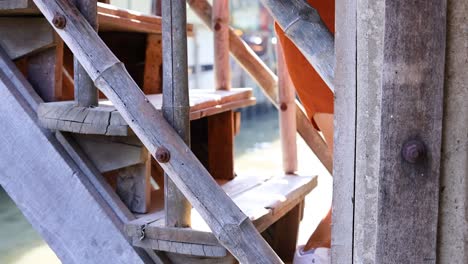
x=106 y=120
x=263 y=199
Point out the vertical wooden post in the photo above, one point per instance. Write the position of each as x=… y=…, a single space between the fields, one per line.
x=287 y=114
x=175 y=99
x=86 y=94
x=220 y=22
x=220 y=127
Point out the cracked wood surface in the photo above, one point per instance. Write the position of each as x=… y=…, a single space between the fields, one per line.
x=106 y=120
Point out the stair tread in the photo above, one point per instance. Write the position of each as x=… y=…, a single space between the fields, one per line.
x=263 y=199
x=106 y=120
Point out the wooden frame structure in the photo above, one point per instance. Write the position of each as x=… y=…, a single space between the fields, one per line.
x=394 y=157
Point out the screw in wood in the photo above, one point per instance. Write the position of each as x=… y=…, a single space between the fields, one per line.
x=413 y=151
x=163 y=155
x=59 y=21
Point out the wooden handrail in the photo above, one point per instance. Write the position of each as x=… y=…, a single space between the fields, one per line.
x=231 y=227
x=303 y=25
x=268 y=81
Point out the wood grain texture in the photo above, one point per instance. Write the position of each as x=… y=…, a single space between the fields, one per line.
x=73 y=194
x=303 y=25
x=152 y=80
x=412 y=100
x=45 y=74
x=22 y=36
x=344 y=133
x=175 y=105
x=17 y=7
x=106 y=120
x=221 y=145
x=233 y=230
x=86 y=94
x=287 y=114
x=220 y=22
x=268 y=81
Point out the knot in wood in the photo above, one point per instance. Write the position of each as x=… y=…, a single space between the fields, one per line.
x=162 y=155
x=413 y=151
x=59 y=21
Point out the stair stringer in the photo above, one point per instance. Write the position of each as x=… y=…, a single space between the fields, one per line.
x=54 y=194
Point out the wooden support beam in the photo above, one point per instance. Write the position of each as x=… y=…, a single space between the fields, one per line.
x=411 y=123
x=287 y=114
x=268 y=81
x=285 y=233
x=302 y=24
x=58 y=189
x=220 y=22
x=175 y=106
x=86 y=94
x=221 y=145
x=134 y=187
x=230 y=226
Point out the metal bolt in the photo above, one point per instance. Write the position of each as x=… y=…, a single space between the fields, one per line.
x=413 y=151
x=163 y=155
x=283 y=107
x=59 y=21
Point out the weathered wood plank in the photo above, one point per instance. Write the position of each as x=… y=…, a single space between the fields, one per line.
x=411 y=121
x=60 y=188
x=134 y=187
x=86 y=94
x=267 y=80
x=344 y=133
x=106 y=120
x=175 y=105
x=22 y=36
x=303 y=25
x=233 y=229
x=18 y=7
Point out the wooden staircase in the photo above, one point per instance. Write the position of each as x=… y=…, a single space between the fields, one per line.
x=122 y=135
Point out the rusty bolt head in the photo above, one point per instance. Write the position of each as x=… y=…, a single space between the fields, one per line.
x=217 y=26
x=283 y=107
x=163 y=155
x=59 y=21
x=413 y=151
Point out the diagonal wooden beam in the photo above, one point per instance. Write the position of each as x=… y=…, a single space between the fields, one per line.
x=268 y=81
x=231 y=227
x=303 y=25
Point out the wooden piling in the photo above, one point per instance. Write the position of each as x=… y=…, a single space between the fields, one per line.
x=220 y=23
x=287 y=114
x=175 y=99
x=86 y=94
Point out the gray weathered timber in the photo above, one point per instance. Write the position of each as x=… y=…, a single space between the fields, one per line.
x=13 y=7
x=22 y=36
x=344 y=133
x=453 y=210
x=59 y=186
x=268 y=81
x=369 y=42
x=134 y=187
x=412 y=100
x=86 y=94
x=175 y=106
x=191 y=249
x=303 y=25
x=112 y=153
x=232 y=228
x=44 y=74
